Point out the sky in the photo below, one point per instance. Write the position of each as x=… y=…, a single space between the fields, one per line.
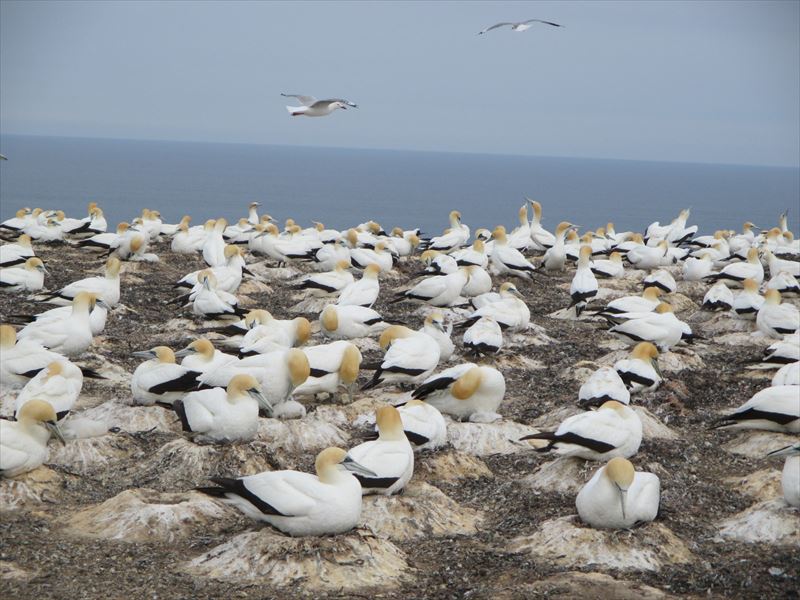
x=711 y=82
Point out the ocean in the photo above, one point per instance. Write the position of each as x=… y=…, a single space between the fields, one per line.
x=344 y=187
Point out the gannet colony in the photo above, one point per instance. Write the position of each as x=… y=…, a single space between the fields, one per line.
x=244 y=409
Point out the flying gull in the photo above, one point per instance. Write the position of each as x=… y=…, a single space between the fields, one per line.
x=316 y=108
x=521 y=26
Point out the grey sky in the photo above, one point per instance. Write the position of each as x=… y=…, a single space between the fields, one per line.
x=694 y=81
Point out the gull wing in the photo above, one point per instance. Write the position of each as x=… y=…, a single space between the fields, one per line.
x=540 y=21
x=304 y=100
x=495 y=26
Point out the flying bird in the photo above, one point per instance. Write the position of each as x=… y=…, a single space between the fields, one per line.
x=316 y=108
x=521 y=26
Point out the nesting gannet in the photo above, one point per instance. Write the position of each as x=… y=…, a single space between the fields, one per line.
x=775 y=319
x=437 y=263
x=783 y=351
x=662 y=280
x=694 y=269
x=785 y=283
x=603 y=385
x=478 y=282
x=271 y=334
x=466 y=391
x=521 y=26
x=661 y=327
x=212 y=303
x=390 y=457
x=718 y=297
x=504 y=258
x=633 y=304
x=610 y=268
x=555 y=258
x=776 y=265
x=16 y=253
x=748 y=302
x=484 y=336
x=435 y=326
x=423 y=425
x=333 y=369
x=300 y=504
x=18 y=222
x=612 y=430
x=70 y=336
x=23 y=443
x=328 y=283
x=223 y=415
x=790 y=477
x=439 y=290
x=619 y=497
x=736 y=273
x=228 y=276
x=349 y=322
x=97 y=317
x=453 y=238
x=311 y=107
x=773 y=409
x=380 y=256
x=410 y=357
x=214 y=245
x=59 y=385
x=640 y=371
x=510 y=311
x=584 y=284
x=787 y=375
x=540 y=237
x=106 y=288
x=27 y=277
x=106 y=241
x=21 y=360
x=363 y=292
x=159 y=380
x=201 y=356
x=647 y=257
x=475 y=255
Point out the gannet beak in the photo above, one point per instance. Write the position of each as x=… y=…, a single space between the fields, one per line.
x=185 y=352
x=261 y=399
x=784 y=451
x=654 y=362
x=102 y=304
x=517 y=293
x=352 y=466
x=53 y=427
x=146 y=354
x=623 y=496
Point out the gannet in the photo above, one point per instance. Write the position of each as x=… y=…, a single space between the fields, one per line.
x=106 y=288
x=398 y=242
x=790 y=477
x=59 y=385
x=423 y=425
x=223 y=415
x=521 y=26
x=632 y=304
x=694 y=269
x=619 y=497
x=478 y=282
x=504 y=258
x=201 y=356
x=510 y=311
x=23 y=443
x=466 y=391
x=775 y=319
x=21 y=360
x=390 y=457
x=584 y=284
x=438 y=290
x=520 y=236
x=16 y=253
x=777 y=265
x=610 y=268
x=437 y=263
x=363 y=292
x=647 y=257
x=274 y=334
x=453 y=238
x=747 y=303
x=787 y=375
x=662 y=280
x=718 y=297
x=785 y=283
x=435 y=326
x=349 y=322
x=300 y=504
x=484 y=336
x=640 y=372
x=211 y=303
x=328 y=283
x=106 y=241
x=603 y=385
x=70 y=336
x=612 y=430
x=97 y=318
x=661 y=327
x=362 y=257
x=737 y=272
x=214 y=245
x=159 y=380
x=772 y=409
x=18 y=222
x=782 y=352
x=555 y=258
x=27 y=277
x=333 y=369
x=329 y=255
x=540 y=237
x=45 y=232
x=228 y=276
x=410 y=357
x=311 y=107
x=474 y=255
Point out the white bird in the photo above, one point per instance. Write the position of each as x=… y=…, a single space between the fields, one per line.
x=97 y=318
x=208 y=302
x=584 y=284
x=478 y=282
x=619 y=497
x=718 y=297
x=439 y=290
x=214 y=245
x=16 y=253
x=520 y=236
x=772 y=409
x=159 y=380
x=466 y=391
x=603 y=385
x=783 y=351
x=661 y=327
x=648 y=257
x=201 y=356
x=410 y=357
x=520 y=26
x=648 y=301
x=327 y=257
x=363 y=292
x=311 y=107
x=59 y=385
x=349 y=322
x=379 y=256
x=423 y=425
x=271 y=334
x=21 y=360
x=223 y=415
x=107 y=241
x=611 y=268
x=70 y=336
x=787 y=375
x=300 y=504
x=333 y=368
x=775 y=319
x=790 y=477
x=507 y=259
x=612 y=430
x=662 y=280
x=27 y=277
x=390 y=457
x=777 y=265
x=541 y=238
x=785 y=283
x=106 y=288
x=23 y=443
x=484 y=336
x=434 y=325
x=475 y=255
x=228 y=276
x=453 y=238
x=555 y=257
x=510 y=311
x=640 y=371
x=694 y=269
x=748 y=302
x=328 y=283
x=736 y=273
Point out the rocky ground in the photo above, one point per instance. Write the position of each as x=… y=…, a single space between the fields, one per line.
x=114 y=516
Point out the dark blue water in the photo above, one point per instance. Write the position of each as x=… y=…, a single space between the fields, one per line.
x=344 y=187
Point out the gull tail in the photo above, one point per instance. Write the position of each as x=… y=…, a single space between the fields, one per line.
x=296 y=110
